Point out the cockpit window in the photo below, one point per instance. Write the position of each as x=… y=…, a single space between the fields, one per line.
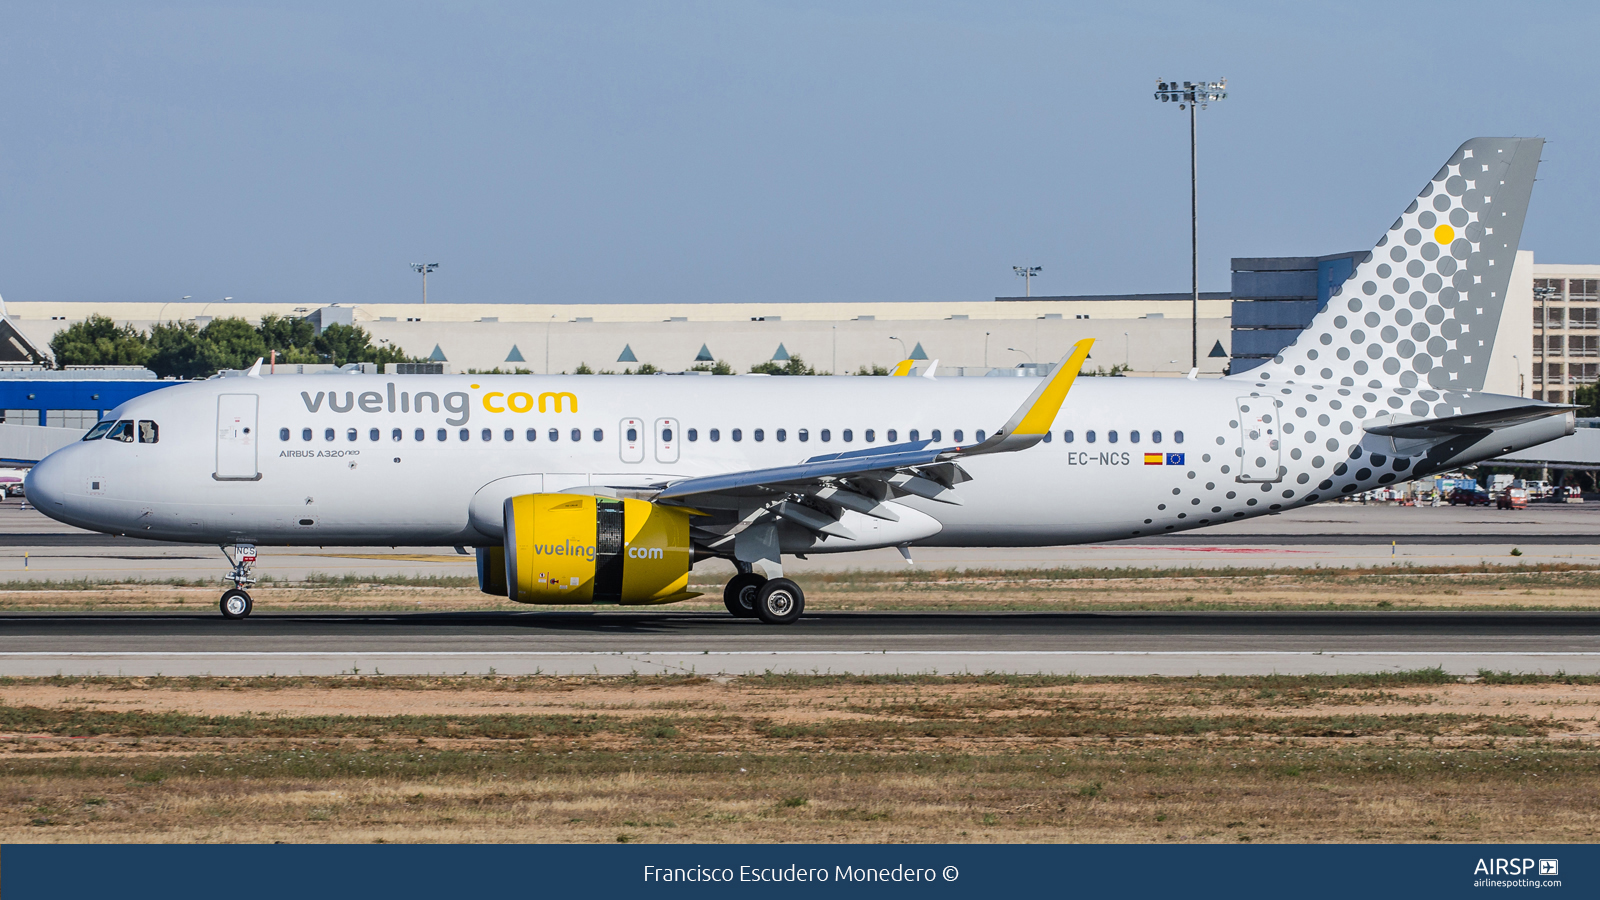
x=149 y=432
x=122 y=431
x=98 y=431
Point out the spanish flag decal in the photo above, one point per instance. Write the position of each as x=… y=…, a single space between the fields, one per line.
x=1153 y=459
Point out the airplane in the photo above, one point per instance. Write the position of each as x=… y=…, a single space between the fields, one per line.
x=608 y=489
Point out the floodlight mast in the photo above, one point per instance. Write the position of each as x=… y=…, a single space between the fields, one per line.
x=1189 y=95
x=424 y=269
x=1027 y=273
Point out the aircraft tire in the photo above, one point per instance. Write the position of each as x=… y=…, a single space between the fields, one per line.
x=739 y=595
x=236 y=604
x=780 y=602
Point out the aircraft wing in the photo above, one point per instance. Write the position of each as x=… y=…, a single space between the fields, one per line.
x=863 y=480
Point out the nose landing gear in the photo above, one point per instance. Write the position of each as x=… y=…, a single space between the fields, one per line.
x=236 y=603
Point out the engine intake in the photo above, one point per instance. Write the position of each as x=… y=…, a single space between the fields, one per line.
x=571 y=549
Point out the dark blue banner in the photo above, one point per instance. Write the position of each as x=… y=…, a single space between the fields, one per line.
x=255 y=872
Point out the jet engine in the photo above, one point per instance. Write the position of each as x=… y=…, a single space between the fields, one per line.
x=570 y=548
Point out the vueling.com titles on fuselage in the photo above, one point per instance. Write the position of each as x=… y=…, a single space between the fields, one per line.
x=457 y=403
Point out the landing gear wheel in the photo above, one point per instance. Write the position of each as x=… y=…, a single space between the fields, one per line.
x=739 y=596
x=236 y=604
x=780 y=602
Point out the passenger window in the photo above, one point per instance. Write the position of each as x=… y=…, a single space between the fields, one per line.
x=577 y=435
x=554 y=435
x=1089 y=436
x=738 y=434
x=149 y=432
x=826 y=435
x=466 y=434
x=510 y=435
x=804 y=435
x=396 y=434
x=99 y=431
x=123 y=431
x=849 y=436
x=350 y=434
x=893 y=435
x=420 y=435
x=761 y=434
x=980 y=435
x=782 y=434
x=959 y=436
x=305 y=434
x=443 y=435
x=283 y=433
x=1066 y=436
x=1155 y=437
x=666 y=435
x=716 y=435
x=1047 y=437
x=487 y=434
x=913 y=434
x=1177 y=437
x=871 y=435
x=936 y=437
x=1111 y=436
x=533 y=434
x=599 y=435
x=633 y=435
x=1133 y=436
x=373 y=435
x=327 y=434
x=694 y=435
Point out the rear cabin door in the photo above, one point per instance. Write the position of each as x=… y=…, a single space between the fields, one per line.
x=667 y=438
x=631 y=433
x=1260 y=440
x=236 y=438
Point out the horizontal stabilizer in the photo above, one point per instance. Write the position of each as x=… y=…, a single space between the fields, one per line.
x=1472 y=423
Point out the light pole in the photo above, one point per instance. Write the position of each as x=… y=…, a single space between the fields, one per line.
x=1027 y=273
x=1024 y=353
x=904 y=353
x=423 y=269
x=1544 y=292
x=1519 y=374
x=1127 y=352
x=1189 y=95
x=547 y=327
x=986 y=349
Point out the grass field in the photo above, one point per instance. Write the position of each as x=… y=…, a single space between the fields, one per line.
x=1417 y=756
x=1566 y=587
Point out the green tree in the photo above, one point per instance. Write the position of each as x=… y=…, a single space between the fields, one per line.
x=720 y=367
x=793 y=366
x=345 y=344
x=875 y=370
x=644 y=369
x=583 y=369
x=230 y=343
x=292 y=338
x=1587 y=397
x=177 y=351
x=99 y=341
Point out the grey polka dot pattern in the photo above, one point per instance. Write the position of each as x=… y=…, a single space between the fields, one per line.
x=1448 y=257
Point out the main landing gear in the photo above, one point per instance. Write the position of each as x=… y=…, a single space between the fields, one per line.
x=236 y=602
x=776 y=601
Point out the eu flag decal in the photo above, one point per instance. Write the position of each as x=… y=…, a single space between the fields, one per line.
x=1174 y=459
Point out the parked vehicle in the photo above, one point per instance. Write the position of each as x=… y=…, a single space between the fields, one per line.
x=1468 y=497
x=1513 y=498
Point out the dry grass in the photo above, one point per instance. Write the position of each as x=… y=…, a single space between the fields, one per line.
x=1411 y=757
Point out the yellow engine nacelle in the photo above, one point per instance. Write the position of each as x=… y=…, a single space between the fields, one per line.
x=571 y=548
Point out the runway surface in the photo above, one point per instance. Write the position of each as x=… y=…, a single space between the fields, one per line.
x=658 y=642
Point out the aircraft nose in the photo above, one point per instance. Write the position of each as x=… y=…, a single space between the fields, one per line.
x=46 y=485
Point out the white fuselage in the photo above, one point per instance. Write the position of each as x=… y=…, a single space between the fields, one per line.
x=331 y=460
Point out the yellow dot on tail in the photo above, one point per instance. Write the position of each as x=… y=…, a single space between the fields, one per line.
x=1444 y=234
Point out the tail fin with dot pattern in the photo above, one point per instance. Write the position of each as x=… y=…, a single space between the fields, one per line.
x=1423 y=307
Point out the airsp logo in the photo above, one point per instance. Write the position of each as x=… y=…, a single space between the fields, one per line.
x=1515 y=867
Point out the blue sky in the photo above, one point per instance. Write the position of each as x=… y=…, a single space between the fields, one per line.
x=688 y=152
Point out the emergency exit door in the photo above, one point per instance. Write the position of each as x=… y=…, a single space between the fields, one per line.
x=236 y=438
x=1260 y=440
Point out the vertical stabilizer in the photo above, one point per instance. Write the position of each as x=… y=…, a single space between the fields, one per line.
x=1423 y=307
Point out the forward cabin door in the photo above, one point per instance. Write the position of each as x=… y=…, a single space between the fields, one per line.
x=236 y=438
x=1260 y=440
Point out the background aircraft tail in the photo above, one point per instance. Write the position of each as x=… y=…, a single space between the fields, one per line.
x=1423 y=307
